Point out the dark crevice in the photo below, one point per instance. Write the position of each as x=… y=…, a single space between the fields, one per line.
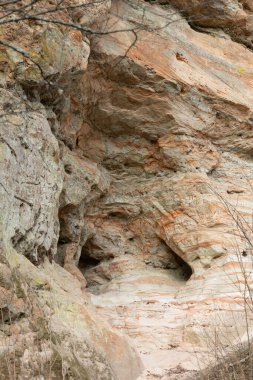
x=166 y=258
x=116 y=214
x=186 y=270
x=86 y=261
x=63 y=241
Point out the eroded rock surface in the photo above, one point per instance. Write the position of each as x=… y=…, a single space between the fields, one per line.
x=127 y=184
x=170 y=125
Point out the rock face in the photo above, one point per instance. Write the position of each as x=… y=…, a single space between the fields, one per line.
x=126 y=188
x=233 y=16
x=31 y=179
x=48 y=327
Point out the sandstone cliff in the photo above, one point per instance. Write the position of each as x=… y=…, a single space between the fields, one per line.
x=126 y=182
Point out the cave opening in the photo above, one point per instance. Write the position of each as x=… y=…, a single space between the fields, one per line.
x=93 y=255
x=166 y=258
x=86 y=261
x=185 y=269
x=90 y=266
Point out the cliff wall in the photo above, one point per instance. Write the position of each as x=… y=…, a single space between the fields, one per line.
x=126 y=186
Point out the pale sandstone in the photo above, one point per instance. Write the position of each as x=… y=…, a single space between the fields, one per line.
x=153 y=167
x=173 y=135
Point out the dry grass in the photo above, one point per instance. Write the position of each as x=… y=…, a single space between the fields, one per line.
x=237 y=364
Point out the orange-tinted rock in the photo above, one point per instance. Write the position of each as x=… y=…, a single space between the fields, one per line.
x=171 y=123
x=232 y=15
x=151 y=184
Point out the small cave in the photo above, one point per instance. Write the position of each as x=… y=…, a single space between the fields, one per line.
x=166 y=258
x=185 y=269
x=91 y=265
x=86 y=261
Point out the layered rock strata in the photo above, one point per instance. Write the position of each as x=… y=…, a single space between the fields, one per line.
x=127 y=185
